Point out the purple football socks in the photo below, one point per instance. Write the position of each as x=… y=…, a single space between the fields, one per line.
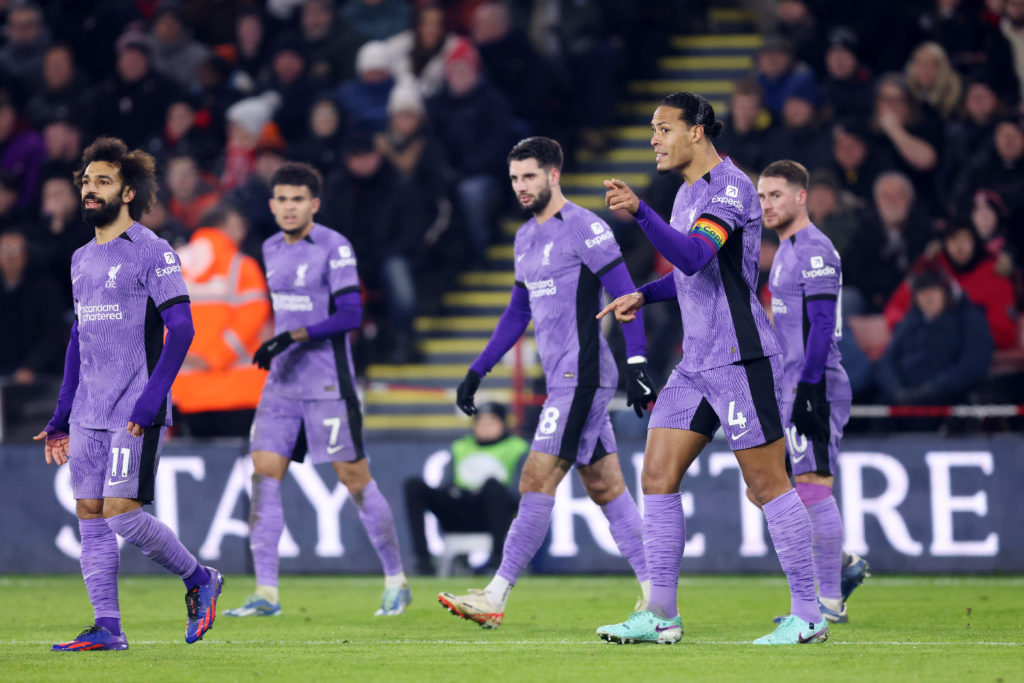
x=266 y=523
x=526 y=534
x=627 y=529
x=156 y=541
x=100 y=561
x=827 y=528
x=664 y=539
x=375 y=514
x=790 y=529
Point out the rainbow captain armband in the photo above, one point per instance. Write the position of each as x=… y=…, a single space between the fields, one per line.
x=711 y=229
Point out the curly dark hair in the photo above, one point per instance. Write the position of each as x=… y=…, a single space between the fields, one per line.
x=137 y=168
x=298 y=174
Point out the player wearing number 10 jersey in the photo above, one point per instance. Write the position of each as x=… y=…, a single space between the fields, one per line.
x=805 y=282
x=309 y=402
x=563 y=255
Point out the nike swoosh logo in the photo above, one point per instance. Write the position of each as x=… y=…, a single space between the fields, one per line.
x=331 y=450
x=736 y=436
x=802 y=640
x=802 y=456
x=659 y=629
x=115 y=483
x=647 y=389
x=520 y=257
x=270 y=272
x=76 y=279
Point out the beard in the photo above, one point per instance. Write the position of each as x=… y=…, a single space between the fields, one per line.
x=105 y=214
x=782 y=221
x=540 y=203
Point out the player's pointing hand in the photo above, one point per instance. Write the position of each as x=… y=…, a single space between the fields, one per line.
x=625 y=307
x=620 y=196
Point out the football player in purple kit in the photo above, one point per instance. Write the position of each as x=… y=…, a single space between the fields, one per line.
x=563 y=256
x=113 y=409
x=309 y=402
x=730 y=375
x=805 y=282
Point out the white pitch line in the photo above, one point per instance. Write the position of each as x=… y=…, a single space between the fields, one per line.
x=868 y=643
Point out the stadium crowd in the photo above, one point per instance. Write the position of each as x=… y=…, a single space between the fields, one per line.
x=911 y=128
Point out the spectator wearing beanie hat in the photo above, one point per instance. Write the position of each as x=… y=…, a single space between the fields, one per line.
x=474 y=124
x=364 y=99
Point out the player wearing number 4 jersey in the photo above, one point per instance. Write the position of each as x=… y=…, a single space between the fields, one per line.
x=563 y=255
x=729 y=376
x=113 y=408
x=309 y=402
x=806 y=279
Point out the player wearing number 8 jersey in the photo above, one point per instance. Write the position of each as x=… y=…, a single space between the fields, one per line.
x=563 y=256
x=309 y=402
x=729 y=376
x=805 y=281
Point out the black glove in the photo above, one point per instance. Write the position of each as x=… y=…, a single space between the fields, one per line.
x=466 y=391
x=639 y=388
x=806 y=412
x=271 y=348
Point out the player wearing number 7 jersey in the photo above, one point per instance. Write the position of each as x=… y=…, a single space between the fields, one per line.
x=729 y=376
x=309 y=402
x=806 y=280
x=563 y=256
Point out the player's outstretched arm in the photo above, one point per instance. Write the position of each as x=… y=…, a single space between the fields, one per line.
x=180 y=331
x=639 y=386
x=511 y=326
x=687 y=252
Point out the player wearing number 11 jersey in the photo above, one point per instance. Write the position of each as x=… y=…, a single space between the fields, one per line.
x=805 y=282
x=563 y=256
x=309 y=402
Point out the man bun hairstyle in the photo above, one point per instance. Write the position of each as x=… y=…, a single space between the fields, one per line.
x=137 y=168
x=793 y=172
x=697 y=111
x=296 y=173
x=546 y=151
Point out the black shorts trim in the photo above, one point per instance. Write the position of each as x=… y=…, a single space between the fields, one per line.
x=820 y=446
x=579 y=410
x=821 y=297
x=739 y=298
x=147 y=464
x=355 y=425
x=705 y=420
x=347 y=290
x=608 y=267
x=301 y=446
x=183 y=299
x=761 y=381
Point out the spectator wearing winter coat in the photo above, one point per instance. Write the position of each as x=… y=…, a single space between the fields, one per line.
x=939 y=352
x=964 y=260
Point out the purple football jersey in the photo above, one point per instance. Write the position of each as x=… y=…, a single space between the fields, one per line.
x=304 y=278
x=120 y=289
x=559 y=263
x=722 y=320
x=807 y=267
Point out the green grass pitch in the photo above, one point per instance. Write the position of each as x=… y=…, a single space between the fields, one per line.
x=902 y=628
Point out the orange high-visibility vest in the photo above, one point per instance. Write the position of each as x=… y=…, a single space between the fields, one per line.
x=230 y=309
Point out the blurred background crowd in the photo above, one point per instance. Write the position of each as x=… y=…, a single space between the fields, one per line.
x=909 y=119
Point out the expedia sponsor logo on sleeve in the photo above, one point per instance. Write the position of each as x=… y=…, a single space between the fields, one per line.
x=602 y=237
x=737 y=204
x=346 y=258
x=818 y=272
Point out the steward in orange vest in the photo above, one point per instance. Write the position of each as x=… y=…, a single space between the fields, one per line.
x=218 y=387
